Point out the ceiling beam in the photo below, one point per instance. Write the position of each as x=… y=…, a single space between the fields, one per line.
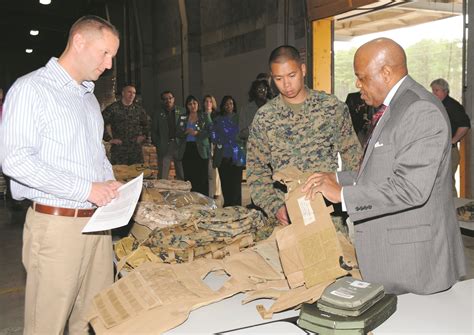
x=320 y=9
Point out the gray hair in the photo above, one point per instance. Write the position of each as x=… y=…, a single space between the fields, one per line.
x=441 y=83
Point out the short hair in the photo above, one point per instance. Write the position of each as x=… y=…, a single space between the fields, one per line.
x=283 y=54
x=92 y=21
x=188 y=100
x=166 y=92
x=223 y=101
x=128 y=85
x=213 y=100
x=441 y=83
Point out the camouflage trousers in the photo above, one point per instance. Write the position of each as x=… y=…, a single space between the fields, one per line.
x=126 y=154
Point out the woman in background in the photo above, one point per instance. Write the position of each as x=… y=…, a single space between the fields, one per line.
x=210 y=109
x=210 y=106
x=195 y=128
x=229 y=153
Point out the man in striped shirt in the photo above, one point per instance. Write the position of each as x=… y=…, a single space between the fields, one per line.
x=54 y=155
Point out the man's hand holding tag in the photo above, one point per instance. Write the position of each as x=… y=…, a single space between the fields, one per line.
x=323 y=182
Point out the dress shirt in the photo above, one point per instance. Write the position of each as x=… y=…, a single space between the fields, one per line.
x=386 y=102
x=53 y=131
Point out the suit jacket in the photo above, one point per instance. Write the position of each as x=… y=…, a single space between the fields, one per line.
x=160 y=131
x=406 y=232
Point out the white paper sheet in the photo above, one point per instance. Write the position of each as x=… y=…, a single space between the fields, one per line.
x=119 y=211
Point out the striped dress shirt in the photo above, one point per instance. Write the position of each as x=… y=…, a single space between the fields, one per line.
x=53 y=132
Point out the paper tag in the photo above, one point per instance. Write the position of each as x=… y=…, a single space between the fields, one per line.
x=342 y=293
x=360 y=284
x=306 y=211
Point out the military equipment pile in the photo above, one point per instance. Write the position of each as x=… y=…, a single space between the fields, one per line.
x=180 y=237
x=179 y=226
x=128 y=172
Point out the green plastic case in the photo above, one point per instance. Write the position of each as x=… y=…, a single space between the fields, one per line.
x=355 y=311
x=310 y=315
x=350 y=293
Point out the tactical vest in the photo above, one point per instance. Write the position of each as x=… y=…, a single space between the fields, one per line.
x=201 y=233
x=157 y=297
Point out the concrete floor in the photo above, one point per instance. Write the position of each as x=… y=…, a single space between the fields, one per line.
x=12 y=276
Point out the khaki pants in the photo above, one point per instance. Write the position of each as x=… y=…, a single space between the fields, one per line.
x=214 y=181
x=454 y=165
x=65 y=270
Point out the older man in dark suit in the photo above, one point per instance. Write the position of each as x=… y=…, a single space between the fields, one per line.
x=406 y=233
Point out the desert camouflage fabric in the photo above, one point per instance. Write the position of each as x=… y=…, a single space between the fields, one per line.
x=155 y=216
x=158 y=209
x=151 y=195
x=206 y=233
x=127 y=172
x=157 y=297
x=309 y=140
x=176 y=198
x=466 y=212
x=182 y=199
x=165 y=184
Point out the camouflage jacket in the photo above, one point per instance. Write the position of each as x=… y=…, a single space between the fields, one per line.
x=309 y=140
x=127 y=122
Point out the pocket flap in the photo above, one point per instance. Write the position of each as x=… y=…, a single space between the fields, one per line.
x=409 y=234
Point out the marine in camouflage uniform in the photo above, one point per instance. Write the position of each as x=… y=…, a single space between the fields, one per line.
x=309 y=140
x=308 y=135
x=127 y=121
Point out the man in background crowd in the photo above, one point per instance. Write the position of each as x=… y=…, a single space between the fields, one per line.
x=126 y=128
x=164 y=136
x=458 y=119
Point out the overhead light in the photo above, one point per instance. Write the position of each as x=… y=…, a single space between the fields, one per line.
x=34 y=32
x=28 y=51
x=45 y=2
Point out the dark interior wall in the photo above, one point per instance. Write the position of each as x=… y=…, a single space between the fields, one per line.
x=227 y=44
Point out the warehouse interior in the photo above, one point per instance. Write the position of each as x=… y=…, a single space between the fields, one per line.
x=202 y=46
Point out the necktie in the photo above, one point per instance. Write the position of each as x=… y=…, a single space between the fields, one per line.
x=375 y=119
x=373 y=122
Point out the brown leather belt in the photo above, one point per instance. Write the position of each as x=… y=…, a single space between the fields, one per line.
x=61 y=211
